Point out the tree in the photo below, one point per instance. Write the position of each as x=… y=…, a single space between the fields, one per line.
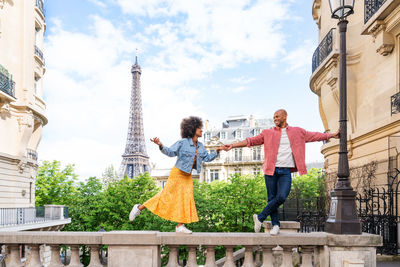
x=53 y=185
x=109 y=176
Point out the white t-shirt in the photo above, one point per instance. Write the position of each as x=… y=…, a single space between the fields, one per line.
x=285 y=157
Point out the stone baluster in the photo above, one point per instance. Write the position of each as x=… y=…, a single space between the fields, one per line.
x=55 y=260
x=307 y=252
x=229 y=261
x=75 y=261
x=287 y=259
x=33 y=257
x=13 y=259
x=248 y=257
x=94 y=256
x=173 y=257
x=268 y=258
x=257 y=261
x=192 y=262
x=210 y=258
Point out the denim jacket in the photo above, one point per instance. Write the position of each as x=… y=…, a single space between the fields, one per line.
x=185 y=149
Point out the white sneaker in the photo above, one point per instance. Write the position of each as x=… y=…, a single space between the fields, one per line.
x=182 y=229
x=274 y=230
x=257 y=223
x=134 y=212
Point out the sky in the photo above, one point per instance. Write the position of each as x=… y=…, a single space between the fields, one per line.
x=212 y=59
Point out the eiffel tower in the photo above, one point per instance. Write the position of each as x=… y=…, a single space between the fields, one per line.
x=135 y=159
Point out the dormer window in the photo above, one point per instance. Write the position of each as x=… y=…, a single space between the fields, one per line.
x=238 y=134
x=222 y=135
x=207 y=136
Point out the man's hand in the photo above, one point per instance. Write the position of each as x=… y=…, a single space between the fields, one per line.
x=336 y=135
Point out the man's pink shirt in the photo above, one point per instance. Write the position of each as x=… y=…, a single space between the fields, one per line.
x=298 y=138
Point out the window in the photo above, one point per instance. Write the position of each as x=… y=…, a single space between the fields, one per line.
x=256 y=171
x=238 y=134
x=223 y=135
x=257 y=132
x=238 y=154
x=214 y=175
x=257 y=153
x=37 y=37
x=37 y=86
x=207 y=136
x=238 y=171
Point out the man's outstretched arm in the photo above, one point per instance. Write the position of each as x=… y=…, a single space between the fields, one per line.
x=316 y=136
x=239 y=144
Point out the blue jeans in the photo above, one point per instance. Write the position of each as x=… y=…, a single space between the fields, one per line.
x=278 y=189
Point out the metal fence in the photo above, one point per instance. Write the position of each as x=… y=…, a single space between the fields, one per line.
x=40 y=6
x=324 y=48
x=7 y=85
x=19 y=216
x=371 y=7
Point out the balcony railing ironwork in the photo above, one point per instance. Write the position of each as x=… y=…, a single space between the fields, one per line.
x=7 y=85
x=40 y=5
x=244 y=159
x=39 y=53
x=323 y=50
x=31 y=154
x=19 y=216
x=371 y=7
x=395 y=103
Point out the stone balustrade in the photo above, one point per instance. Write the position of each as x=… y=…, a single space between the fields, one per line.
x=143 y=248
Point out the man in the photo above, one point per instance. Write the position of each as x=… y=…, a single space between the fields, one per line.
x=284 y=150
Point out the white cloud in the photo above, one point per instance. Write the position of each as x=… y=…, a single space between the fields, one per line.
x=300 y=57
x=239 y=89
x=242 y=80
x=98 y=3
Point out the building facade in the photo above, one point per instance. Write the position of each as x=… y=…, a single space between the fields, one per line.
x=373 y=98
x=238 y=160
x=22 y=108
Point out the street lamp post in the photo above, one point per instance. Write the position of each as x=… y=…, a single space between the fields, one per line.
x=343 y=217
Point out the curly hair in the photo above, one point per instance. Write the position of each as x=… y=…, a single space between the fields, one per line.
x=189 y=126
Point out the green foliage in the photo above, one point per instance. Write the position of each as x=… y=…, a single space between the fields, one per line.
x=53 y=185
x=310 y=185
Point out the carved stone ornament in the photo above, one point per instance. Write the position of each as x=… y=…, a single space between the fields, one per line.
x=384 y=41
x=21 y=166
x=385 y=49
x=214 y=141
x=25 y=121
x=2 y=3
x=5 y=108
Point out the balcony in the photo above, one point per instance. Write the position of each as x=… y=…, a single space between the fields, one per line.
x=39 y=54
x=40 y=6
x=371 y=7
x=324 y=48
x=148 y=248
x=246 y=159
x=395 y=103
x=17 y=219
x=31 y=154
x=7 y=85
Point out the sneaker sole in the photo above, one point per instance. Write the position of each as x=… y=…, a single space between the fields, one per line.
x=255 y=219
x=132 y=213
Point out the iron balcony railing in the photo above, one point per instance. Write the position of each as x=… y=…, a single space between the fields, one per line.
x=371 y=7
x=39 y=53
x=395 y=103
x=40 y=5
x=19 y=216
x=244 y=159
x=31 y=154
x=7 y=85
x=323 y=50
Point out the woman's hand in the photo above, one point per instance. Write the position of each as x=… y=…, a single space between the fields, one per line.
x=156 y=141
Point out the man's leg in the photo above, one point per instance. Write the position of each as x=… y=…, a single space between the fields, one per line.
x=271 y=183
x=284 y=184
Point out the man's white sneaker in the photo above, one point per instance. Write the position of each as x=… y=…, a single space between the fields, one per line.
x=182 y=229
x=257 y=223
x=134 y=212
x=274 y=230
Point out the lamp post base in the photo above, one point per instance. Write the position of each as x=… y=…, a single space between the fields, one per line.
x=343 y=217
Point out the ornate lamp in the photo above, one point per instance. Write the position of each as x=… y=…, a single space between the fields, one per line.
x=340 y=9
x=342 y=218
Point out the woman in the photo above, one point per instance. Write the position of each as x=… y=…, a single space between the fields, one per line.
x=175 y=202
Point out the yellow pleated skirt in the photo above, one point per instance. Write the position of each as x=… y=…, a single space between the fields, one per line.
x=175 y=202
